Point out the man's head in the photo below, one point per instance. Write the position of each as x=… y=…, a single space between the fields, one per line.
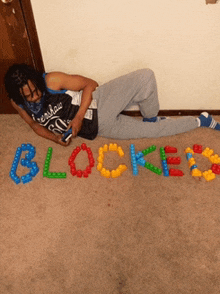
x=22 y=82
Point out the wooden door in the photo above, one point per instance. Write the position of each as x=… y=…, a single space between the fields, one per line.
x=19 y=42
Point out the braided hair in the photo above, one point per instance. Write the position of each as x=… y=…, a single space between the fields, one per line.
x=17 y=76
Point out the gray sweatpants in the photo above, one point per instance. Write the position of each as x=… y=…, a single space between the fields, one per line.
x=140 y=88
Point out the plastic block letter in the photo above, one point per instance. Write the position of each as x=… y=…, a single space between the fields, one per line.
x=133 y=160
x=24 y=162
x=46 y=172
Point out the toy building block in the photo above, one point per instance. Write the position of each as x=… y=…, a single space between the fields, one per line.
x=139 y=155
x=170 y=149
x=105 y=173
x=189 y=155
x=105 y=148
x=101 y=150
x=207 y=152
x=194 y=166
x=175 y=172
x=89 y=169
x=28 y=163
x=115 y=173
x=47 y=162
x=99 y=166
x=133 y=160
x=165 y=168
x=14 y=166
x=173 y=160
x=149 y=150
x=122 y=168
x=209 y=175
x=26 y=178
x=85 y=174
x=100 y=159
x=58 y=175
x=79 y=173
x=141 y=161
x=162 y=154
x=189 y=150
x=120 y=151
x=164 y=162
x=197 y=148
x=113 y=147
x=15 y=178
x=214 y=159
x=216 y=169
x=196 y=172
x=83 y=146
x=153 y=168
x=191 y=162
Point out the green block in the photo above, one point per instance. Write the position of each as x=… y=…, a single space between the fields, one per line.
x=45 y=173
x=61 y=175
x=149 y=150
x=162 y=154
x=153 y=168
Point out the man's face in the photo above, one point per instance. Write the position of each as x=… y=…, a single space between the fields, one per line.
x=31 y=93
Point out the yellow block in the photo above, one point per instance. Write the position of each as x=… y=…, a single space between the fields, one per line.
x=196 y=172
x=207 y=152
x=209 y=175
x=189 y=150
x=191 y=162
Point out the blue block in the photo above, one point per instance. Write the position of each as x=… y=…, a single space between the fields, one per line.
x=26 y=179
x=193 y=167
x=165 y=168
x=141 y=161
x=133 y=160
x=139 y=155
x=188 y=156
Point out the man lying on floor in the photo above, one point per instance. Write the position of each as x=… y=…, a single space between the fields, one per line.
x=52 y=103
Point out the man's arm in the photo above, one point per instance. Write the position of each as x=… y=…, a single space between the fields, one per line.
x=37 y=128
x=60 y=81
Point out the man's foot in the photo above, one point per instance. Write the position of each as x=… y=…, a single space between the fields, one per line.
x=205 y=120
x=154 y=119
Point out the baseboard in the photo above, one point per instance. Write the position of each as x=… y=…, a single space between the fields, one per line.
x=181 y=112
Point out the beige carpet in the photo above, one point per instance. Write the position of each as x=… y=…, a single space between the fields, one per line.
x=130 y=235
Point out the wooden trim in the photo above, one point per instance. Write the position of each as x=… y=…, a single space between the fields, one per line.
x=32 y=34
x=181 y=112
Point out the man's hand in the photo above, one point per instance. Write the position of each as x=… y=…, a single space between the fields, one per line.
x=76 y=125
x=59 y=141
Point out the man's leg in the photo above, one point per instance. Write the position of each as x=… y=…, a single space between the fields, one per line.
x=125 y=127
x=138 y=87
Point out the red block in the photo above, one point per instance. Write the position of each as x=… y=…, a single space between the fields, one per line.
x=197 y=148
x=173 y=160
x=216 y=169
x=175 y=172
x=88 y=169
x=170 y=149
x=79 y=173
x=83 y=146
x=85 y=174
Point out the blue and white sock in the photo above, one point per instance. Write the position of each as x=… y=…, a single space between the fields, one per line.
x=205 y=120
x=154 y=119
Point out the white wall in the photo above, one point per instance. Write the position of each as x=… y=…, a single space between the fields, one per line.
x=178 y=39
